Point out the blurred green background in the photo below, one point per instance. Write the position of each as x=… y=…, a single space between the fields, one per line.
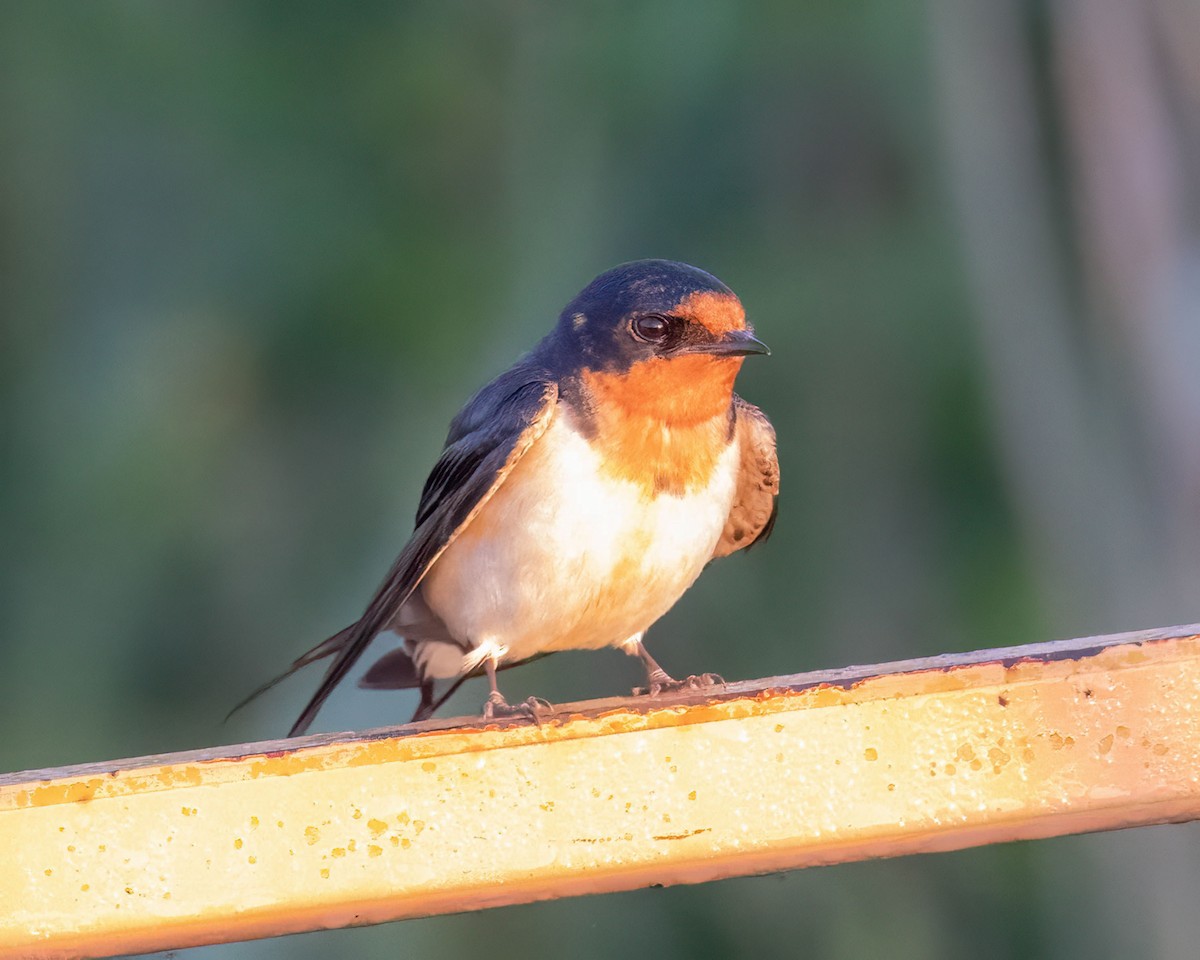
x=254 y=255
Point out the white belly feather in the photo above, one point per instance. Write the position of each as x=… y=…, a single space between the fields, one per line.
x=567 y=557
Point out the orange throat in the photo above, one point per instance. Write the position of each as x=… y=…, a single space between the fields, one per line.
x=664 y=424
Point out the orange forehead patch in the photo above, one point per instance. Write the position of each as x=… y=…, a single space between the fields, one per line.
x=719 y=312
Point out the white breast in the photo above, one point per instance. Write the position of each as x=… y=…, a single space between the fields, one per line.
x=564 y=556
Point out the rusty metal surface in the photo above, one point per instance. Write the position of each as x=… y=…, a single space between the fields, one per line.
x=323 y=831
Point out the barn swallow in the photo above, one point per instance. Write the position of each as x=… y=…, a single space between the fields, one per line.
x=579 y=494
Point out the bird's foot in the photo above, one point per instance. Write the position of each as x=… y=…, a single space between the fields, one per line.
x=659 y=682
x=534 y=708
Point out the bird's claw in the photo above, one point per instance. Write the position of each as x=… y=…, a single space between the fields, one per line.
x=660 y=683
x=532 y=708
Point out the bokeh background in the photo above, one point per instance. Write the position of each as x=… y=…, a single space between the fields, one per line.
x=254 y=255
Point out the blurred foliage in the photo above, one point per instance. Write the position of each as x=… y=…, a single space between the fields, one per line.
x=253 y=256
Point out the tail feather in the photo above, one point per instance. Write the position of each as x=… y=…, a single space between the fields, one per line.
x=322 y=650
x=396 y=670
x=429 y=706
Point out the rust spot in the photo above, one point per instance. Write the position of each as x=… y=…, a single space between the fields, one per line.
x=677 y=836
x=80 y=791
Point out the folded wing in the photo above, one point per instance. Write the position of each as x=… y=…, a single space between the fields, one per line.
x=756 y=500
x=486 y=440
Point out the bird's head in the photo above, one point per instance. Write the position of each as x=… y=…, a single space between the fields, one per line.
x=665 y=338
x=655 y=310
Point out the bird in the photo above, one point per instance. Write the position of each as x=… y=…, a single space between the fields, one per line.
x=579 y=494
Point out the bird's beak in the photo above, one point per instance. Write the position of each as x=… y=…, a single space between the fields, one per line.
x=733 y=343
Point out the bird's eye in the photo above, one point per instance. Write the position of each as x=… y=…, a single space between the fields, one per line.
x=652 y=328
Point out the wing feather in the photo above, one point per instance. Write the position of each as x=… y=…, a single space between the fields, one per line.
x=756 y=500
x=486 y=440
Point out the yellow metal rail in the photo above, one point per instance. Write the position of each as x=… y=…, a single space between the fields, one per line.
x=323 y=831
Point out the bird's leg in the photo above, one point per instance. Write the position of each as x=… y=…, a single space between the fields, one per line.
x=495 y=702
x=535 y=708
x=657 y=679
